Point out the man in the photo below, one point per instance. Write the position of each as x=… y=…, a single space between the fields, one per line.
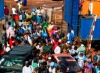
x=90 y=9
x=6 y=12
x=7 y=48
x=43 y=68
x=57 y=50
x=51 y=68
x=27 y=68
x=39 y=15
x=13 y=11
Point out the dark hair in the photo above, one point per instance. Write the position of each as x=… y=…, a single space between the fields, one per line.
x=3 y=27
x=5 y=6
x=9 y=23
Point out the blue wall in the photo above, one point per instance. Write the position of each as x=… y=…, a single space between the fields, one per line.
x=1 y=9
x=68 y=11
x=71 y=9
x=85 y=25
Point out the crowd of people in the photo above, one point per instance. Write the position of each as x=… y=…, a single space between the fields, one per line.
x=25 y=27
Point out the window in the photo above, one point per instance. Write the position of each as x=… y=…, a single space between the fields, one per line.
x=11 y=62
x=66 y=57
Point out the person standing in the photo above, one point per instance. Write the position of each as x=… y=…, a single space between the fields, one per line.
x=14 y=10
x=27 y=68
x=89 y=66
x=6 y=12
x=39 y=15
x=80 y=5
x=51 y=68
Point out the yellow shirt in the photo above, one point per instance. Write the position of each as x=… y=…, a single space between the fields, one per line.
x=28 y=16
x=26 y=23
x=20 y=6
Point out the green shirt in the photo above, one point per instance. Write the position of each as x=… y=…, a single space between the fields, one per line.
x=45 y=24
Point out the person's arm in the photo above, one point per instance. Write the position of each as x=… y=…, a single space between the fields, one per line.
x=23 y=70
x=50 y=70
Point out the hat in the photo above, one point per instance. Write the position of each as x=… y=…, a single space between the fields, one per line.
x=68 y=42
x=52 y=64
x=49 y=58
x=82 y=45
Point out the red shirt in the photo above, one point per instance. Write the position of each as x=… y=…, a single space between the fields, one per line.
x=55 y=44
x=2 y=52
x=10 y=43
x=16 y=17
x=6 y=11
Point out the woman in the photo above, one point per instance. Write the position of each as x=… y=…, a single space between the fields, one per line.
x=89 y=66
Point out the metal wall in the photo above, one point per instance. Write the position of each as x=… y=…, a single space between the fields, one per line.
x=71 y=9
x=1 y=9
x=68 y=11
x=74 y=19
x=85 y=25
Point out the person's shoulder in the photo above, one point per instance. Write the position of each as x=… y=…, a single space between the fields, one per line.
x=24 y=67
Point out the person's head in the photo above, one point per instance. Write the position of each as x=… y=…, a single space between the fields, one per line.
x=5 y=46
x=51 y=23
x=52 y=65
x=70 y=47
x=81 y=54
x=12 y=38
x=89 y=60
x=26 y=63
x=56 y=39
x=75 y=48
x=5 y=6
x=49 y=59
x=9 y=23
x=42 y=65
x=35 y=60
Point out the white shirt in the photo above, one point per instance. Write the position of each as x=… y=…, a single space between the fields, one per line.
x=30 y=40
x=20 y=17
x=57 y=50
x=91 y=7
x=18 y=3
x=52 y=70
x=39 y=12
x=68 y=35
x=81 y=63
x=27 y=69
x=20 y=23
x=72 y=32
x=7 y=49
x=34 y=13
x=72 y=51
x=13 y=10
x=21 y=2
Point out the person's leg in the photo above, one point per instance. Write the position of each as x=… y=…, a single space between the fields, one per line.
x=6 y=17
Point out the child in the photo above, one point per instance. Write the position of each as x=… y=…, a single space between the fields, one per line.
x=89 y=66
